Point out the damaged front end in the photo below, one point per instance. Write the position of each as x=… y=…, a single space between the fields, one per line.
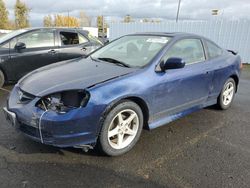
x=60 y=119
x=63 y=102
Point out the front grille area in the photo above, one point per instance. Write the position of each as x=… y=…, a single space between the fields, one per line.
x=34 y=132
x=31 y=131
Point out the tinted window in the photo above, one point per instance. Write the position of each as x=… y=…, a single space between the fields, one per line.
x=82 y=39
x=190 y=50
x=94 y=39
x=37 y=39
x=6 y=45
x=213 y=50
x=71 y=38
x=11 y=35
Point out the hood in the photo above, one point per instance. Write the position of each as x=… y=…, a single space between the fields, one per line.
x=73 y=74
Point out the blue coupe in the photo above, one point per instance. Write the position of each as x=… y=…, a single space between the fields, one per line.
x=138 y=81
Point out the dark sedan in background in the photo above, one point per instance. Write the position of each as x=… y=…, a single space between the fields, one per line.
x=25 y=50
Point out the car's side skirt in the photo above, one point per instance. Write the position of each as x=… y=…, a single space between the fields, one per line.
x=170 y=118
x=178 y=109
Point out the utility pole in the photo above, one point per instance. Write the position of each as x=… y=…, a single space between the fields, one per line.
x=178 y=11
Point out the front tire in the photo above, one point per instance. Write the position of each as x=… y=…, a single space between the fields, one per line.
x=2 y=79
x=227 y=94
x=121 y=128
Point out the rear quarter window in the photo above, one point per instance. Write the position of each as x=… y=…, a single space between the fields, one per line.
x=213 y=50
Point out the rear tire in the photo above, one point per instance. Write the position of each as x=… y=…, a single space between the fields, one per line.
x=2 y=79
x=121 y=128
x=227 y=94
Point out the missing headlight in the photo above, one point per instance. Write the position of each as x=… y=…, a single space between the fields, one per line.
x=64 y=101
x=74 y=98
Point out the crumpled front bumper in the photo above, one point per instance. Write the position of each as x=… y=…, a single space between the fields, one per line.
x=76 y=128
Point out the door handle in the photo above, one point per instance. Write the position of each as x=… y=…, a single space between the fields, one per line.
x=83 y=49
x=52 y=52
x=208 y=72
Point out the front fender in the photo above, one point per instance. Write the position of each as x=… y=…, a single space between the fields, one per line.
x=106 y=95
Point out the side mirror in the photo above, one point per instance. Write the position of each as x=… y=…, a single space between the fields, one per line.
x=172 y=63
x=106 y=41
x=20 y=46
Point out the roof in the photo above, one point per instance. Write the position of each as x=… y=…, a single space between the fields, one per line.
x=55 y=28
x=168 y=34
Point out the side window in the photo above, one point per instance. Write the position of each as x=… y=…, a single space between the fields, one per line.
x=213 y=50
x=72 y=38
x=36 y=39
x=94 y=39
x=190 y=50
x=5 y=46
x=82 y=39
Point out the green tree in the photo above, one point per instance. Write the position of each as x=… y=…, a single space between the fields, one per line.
x=11 y=25
x=21 y=15
x=48 y=21
x=4 y=23
x=66 y=21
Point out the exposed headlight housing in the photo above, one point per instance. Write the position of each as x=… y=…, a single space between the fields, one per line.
x=64 y=101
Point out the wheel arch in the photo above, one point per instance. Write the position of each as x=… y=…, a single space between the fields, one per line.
x=236 y=79
x=137 y=100
x=5 y=78
x=144 y=107
x=4 y=74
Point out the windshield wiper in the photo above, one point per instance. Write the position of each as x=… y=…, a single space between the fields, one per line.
x=93 y=59
x=115 y=61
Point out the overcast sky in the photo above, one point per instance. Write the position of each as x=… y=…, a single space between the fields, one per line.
x=114 y=9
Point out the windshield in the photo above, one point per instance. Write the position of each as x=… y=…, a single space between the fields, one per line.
x=132 y=51
x=11 y=35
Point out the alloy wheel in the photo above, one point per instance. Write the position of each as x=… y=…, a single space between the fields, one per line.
x=123 y=129
x=228 y=93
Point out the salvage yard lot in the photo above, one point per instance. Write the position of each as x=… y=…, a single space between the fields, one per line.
x=209 y=148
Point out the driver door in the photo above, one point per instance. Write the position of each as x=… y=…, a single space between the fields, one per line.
x=180 y=89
